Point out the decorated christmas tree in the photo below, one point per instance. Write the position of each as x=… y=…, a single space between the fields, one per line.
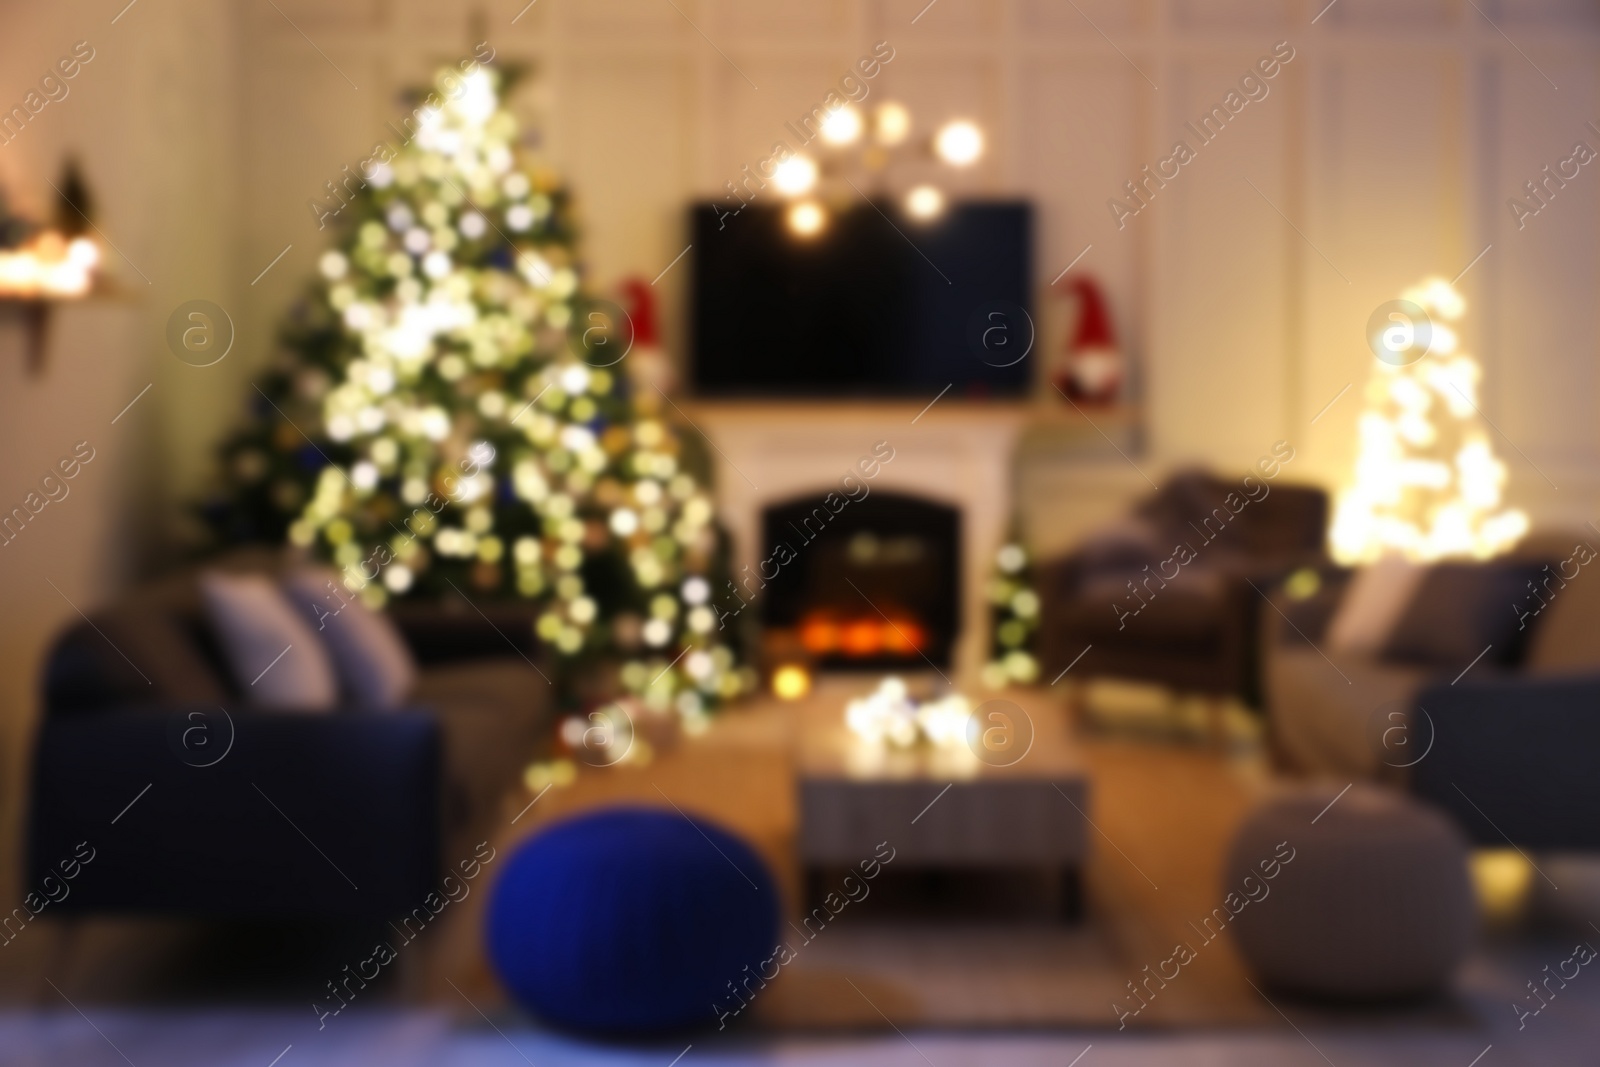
x=1013 y=619
x=1427 y=483
x=451 y=414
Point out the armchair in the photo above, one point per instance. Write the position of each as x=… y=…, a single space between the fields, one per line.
x=1166 y=596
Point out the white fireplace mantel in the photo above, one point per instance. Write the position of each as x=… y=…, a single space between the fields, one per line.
x=958 y=453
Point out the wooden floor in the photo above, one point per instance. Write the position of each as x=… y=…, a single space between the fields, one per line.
x=1164 y=812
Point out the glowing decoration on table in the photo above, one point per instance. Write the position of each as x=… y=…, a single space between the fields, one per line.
x=807 y=218
x=603 y=737
x=842 y=126
x=791 y=682
x=1014 y=618
x=49 y=266
x=924 y=202
x=1427 y=484
x=959 y=143
x=889 y=716
x=432 y=427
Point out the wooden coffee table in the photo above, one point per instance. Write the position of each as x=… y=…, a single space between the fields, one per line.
x=1003 y=802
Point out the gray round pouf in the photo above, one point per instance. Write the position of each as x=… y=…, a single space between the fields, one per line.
x=1374 y=902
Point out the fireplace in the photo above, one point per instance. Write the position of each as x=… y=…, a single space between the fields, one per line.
x=873 y=584
x=957 y=456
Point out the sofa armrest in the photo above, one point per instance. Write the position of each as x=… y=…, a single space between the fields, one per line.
x=300 y=815
x=1513 y=758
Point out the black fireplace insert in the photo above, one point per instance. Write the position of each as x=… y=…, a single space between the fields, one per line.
x=873 y=584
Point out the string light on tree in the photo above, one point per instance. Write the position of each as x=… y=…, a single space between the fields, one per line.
x=1427 y=484
x=1014 y=619
x=470 y=429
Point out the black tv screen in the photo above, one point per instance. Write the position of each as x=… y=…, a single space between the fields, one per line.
x=876 y=304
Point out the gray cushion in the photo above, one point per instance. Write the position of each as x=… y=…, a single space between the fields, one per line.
x=375 y=669
x=277 y=660
x=1376 y=902
x=1459 y=610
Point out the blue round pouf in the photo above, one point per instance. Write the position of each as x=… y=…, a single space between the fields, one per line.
x=630 y=921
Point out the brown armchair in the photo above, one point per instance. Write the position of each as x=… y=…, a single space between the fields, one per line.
x=1166 y=595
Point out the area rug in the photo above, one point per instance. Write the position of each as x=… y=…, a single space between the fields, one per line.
x=941 y=975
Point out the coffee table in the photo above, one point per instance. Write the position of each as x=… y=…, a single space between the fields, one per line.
x=1019 y=805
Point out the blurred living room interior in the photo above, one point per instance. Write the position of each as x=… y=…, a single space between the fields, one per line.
x=735 y=531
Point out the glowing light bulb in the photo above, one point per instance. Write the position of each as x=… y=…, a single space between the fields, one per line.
x=892 y=123
x=795 y=176
x=790 y=682
x=959 y=143
x=924 y=202
x=807 y=218
x=842 y=125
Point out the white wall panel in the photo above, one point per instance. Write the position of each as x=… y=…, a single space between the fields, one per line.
x=1217 y=363
x=1079 y=143
x=599 y=19
x=1091 y=17
x=892 y=19
x=1390 y=15
x=780 y=19
x=1543 y=383
x=1545 y=13
x=627 y=152
x=1236 y=15
x=1390 y=143
x=1386 y=203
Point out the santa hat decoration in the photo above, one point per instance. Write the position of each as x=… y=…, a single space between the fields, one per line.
x=641 y=308
x=647 y=364
x=1091 y=367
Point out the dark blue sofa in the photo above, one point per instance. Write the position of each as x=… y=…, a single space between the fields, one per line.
x=306 y=815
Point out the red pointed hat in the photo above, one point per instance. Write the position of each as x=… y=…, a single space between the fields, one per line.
x=642 y=310
x=1094 y=322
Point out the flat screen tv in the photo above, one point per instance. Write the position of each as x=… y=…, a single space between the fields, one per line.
x=876 y=304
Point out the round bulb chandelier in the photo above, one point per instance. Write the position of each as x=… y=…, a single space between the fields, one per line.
x=878 y=144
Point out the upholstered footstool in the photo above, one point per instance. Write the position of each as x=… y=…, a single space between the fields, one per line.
x=632 y=921
x=1367 y=899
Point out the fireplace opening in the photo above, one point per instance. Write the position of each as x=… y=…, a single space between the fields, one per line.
x=874 y=583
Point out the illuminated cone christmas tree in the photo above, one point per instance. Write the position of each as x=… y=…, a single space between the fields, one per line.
x=452 y=413
x=1427 y=483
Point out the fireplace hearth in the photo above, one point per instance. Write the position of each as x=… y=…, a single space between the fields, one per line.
x=873 y=585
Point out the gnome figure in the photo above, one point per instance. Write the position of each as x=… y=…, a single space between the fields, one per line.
x=647 y=362
x=1090 y=370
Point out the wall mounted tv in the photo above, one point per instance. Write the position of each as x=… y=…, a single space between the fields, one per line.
x=876 y=304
